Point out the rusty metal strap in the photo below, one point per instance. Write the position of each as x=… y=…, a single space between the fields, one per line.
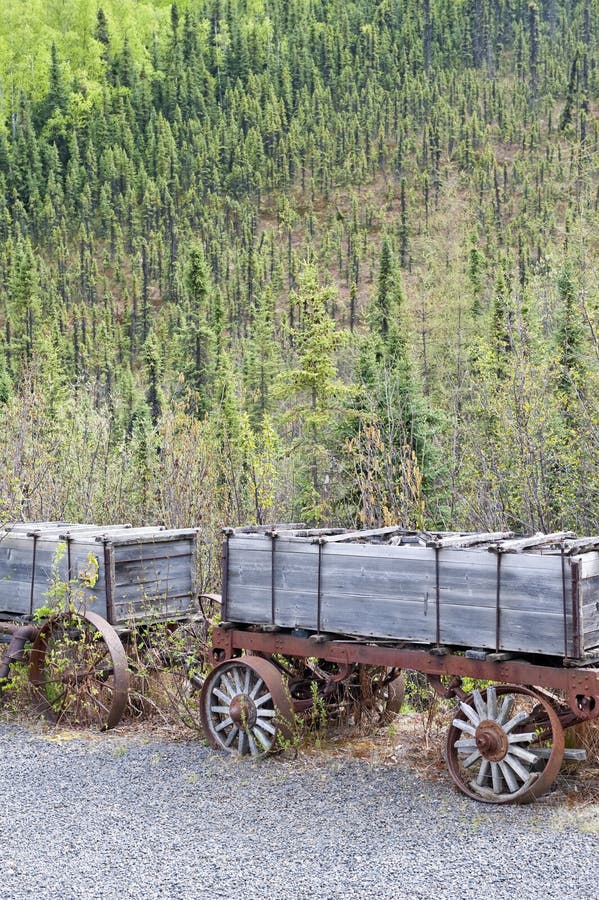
x=437 y=599
x=273 y=537
x=225 y=576
x=564 y=601
x=31 y=596
x=498 y=604
x=319 y=588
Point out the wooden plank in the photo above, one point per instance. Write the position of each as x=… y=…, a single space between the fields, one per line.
x=265 y=529
x=469 y=540
x=151 y=571
x=527 y=543
x=157 y=587
x=149 y=610
x=582 y=545
x=154 y=536
x=589 y=565
x=90 y=532
x=366 y=552
x=361 y=535
x=27 y=527
x=126 y=552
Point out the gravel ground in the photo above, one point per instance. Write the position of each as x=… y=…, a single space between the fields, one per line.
x=131 y=817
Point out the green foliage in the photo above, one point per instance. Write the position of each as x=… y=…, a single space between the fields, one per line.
x=166 y=170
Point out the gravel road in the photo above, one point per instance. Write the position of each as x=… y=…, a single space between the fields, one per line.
x=130 y=817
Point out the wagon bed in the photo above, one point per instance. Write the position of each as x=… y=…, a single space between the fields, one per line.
x=126 y=575
x=534 y=596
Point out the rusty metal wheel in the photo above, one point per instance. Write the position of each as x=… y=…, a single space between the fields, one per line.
x=79 y=671
x=382 y=693
x=167 y=664
x=245 y=707
x=506 y=745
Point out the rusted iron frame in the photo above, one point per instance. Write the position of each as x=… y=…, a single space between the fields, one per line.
x=580 y=684
x=21 y=635
x=319 y=588
x=564 y=600
x=225 y=573
x=34 y=535
x=577 y=637
x=273 y=608
x=69 y=541
x=437 y=598
x=498 y=606
x=108 y=582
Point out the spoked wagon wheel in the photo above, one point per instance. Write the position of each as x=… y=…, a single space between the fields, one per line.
x=506 y=745
x=79 y=671
x=245 y=707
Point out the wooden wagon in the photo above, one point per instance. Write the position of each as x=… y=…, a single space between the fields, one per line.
x=348 y=611
x=94 y=585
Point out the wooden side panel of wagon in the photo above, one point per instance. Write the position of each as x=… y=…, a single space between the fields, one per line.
x=536 y=604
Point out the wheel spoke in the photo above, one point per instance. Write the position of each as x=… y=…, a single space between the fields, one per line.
x=481 y=706
x=464 y=726
x=228 y=686
x=526 y=755
x=268 y=726
x=517 y=766
x=470 y=760
x=496 y=778
x=256 y=688
x=483 y=772
x=506 y=709
x=264 y=739
x=231 y=736
x=491 y=702
x=241 y=742
x=224 y=697
x=522 y=737
x=224 y=724
x=509 y=776
x=470 y=713
x=237 y=680
x=263 y=699
x=519 y=718
x=465 y=744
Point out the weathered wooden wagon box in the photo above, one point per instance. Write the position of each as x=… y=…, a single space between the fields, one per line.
x=124 y=574
x=542 y=602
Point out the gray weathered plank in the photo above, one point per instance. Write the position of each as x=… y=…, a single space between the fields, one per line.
x=536 y=540
x=390 y=592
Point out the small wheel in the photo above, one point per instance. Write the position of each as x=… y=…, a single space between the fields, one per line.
x=382 y=693
x=79 y=671
x=506 y=745
x=245 y=707
x=168 y=664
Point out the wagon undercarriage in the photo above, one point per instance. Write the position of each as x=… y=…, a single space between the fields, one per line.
x=505 y=741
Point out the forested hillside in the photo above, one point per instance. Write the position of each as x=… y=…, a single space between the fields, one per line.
x=301 y=260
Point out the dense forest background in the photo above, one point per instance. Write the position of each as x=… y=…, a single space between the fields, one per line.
x=298 y=260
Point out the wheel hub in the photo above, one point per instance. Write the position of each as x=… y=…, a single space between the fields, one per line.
x=491 y=740
x=242 y=711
